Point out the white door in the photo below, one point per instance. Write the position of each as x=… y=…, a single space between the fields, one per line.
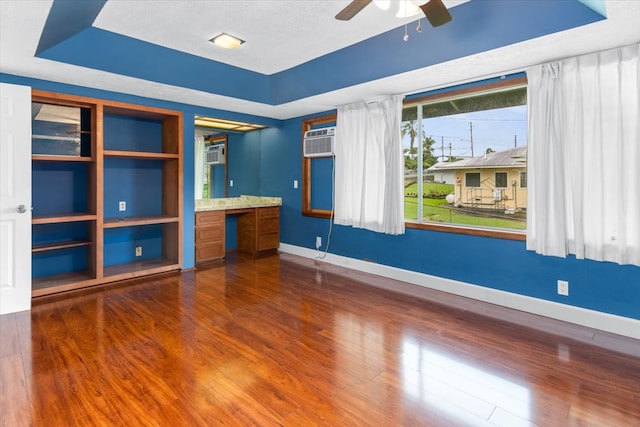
x=15 y=198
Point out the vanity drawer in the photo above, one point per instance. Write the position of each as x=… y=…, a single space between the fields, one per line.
x=269 y=225
x=268 y=241
x=210 y=218
x=270 y=212
x=210 y=251
x=209 y=234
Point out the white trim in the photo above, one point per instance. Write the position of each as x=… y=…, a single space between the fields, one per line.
x=590 y=318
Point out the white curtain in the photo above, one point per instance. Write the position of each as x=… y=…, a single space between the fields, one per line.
x=200 y=167
x=369 y=166
x=584 y=157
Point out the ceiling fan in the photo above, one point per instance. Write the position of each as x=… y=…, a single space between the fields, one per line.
x=435 y=11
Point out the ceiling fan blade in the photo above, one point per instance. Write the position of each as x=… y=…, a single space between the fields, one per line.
x=436 y=12
x=352 y=9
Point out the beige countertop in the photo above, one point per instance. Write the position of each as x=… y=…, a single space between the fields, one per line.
x=241 y=202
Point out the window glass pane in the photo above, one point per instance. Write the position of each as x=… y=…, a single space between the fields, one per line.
x=473 y=155
x=409 y=131
x=472 y=179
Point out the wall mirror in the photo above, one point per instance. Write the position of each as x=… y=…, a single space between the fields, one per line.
x=212 y=155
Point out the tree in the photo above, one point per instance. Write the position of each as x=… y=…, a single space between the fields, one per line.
x=428 y=157
x=409 y=128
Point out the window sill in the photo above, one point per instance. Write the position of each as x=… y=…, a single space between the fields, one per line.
x=482 y=232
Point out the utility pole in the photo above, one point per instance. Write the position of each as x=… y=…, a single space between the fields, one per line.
x=515 y=141
x=442 y=144
x=471 y=135
x=449 y=151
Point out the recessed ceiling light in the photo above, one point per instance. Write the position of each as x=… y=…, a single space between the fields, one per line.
x=230 y=125
x=226 y=41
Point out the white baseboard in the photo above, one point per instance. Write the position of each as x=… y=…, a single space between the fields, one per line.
x=575 y=315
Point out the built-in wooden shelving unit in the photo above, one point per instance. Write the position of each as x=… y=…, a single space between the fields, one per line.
x=88 y=155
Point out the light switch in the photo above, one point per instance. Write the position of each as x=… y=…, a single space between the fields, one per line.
x=230 y=183
x=295 y=183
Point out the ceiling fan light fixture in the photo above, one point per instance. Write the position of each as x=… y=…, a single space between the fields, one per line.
x=406 y=9
x=226 y=41
x=382 y=4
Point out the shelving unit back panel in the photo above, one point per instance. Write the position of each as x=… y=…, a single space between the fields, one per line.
x=50 y=263
x=43 y=234
x=120 y=244
x=60 y=187
x=135 y=181
x=132 y=134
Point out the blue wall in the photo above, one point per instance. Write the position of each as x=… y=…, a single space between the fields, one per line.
x=267 y=162
x=244 y=163
x=494 y=263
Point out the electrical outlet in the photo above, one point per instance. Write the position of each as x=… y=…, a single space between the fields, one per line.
x=295 y=183
x=122 y=206
x=563 y=288
x=318 y=242
x=230 y=183
x=138 y=250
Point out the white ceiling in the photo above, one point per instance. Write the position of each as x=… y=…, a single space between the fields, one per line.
x=281 y=34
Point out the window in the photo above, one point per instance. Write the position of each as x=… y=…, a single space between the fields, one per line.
x=472 y=179
x=464 y=150
x=317 y=195
x=501 y=180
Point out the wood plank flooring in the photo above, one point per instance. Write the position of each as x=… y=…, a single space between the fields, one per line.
x=270 y=342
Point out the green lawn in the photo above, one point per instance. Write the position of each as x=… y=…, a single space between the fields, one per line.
x=437 y=210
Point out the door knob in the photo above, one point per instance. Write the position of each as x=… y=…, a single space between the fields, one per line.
x=22 y=209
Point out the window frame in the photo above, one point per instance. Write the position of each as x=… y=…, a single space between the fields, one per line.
x=474 y=89
x=307 y=209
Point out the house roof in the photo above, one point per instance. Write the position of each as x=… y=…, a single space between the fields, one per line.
x=514 y=157
x=297 y=59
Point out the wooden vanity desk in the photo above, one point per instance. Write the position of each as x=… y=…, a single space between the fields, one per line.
x=258 y=230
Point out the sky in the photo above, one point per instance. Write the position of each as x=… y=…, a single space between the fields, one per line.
x=496 y=129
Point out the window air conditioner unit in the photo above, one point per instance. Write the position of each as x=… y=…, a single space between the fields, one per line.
x=215 y=154
x=319 y=142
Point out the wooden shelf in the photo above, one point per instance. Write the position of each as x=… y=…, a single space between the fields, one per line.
x=60 y=282
x=138 y=220
x=44 y=247
x=140 y=155
x=58 y=158
x=139 y=268
x=57 y=218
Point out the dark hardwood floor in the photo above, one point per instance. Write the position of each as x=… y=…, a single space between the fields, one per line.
x=270 y=342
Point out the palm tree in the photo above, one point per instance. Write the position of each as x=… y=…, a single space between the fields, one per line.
x=409 y=128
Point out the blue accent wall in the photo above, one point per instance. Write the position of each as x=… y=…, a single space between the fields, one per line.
x=244 y=163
